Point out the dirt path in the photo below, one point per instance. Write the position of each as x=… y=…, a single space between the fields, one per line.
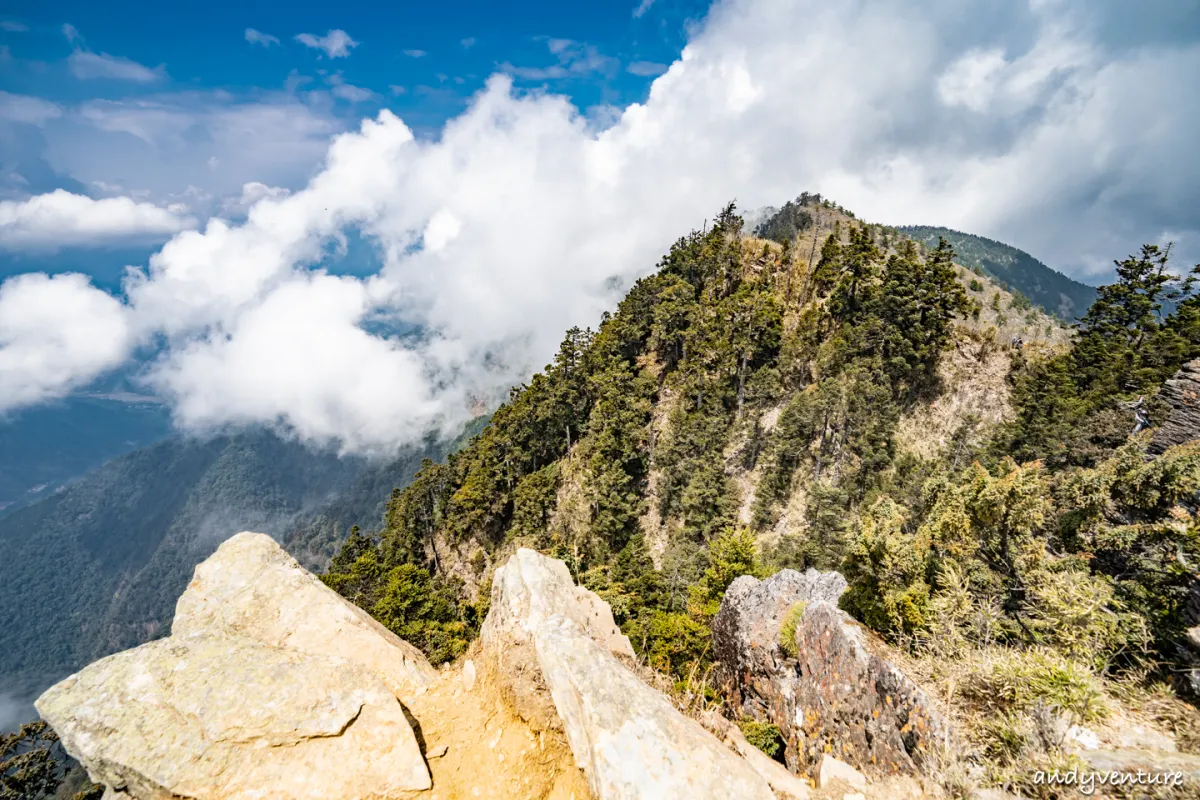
x=490 y=753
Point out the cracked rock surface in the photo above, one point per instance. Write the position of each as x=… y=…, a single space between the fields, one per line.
x=1182 y=394
x=556 y=647
x=831 y=690
x=271 y=685
x=222 y=717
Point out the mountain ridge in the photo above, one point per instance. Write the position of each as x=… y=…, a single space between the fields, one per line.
x=1059 y=294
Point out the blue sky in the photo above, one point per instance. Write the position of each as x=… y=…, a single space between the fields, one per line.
x=421 y=60
x=438 y=53
x=239 y=205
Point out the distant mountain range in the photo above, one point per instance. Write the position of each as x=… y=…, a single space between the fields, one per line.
x=97 y=567
x=1059 y=295
x=43 y=448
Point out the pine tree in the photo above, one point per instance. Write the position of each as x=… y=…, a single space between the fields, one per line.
x=1109 y=355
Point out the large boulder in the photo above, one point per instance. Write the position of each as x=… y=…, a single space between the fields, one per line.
x=789 y=656
x=557 y=649
x=214 y=717
x=270 y=685
x=251 y=587
x=1182 y=394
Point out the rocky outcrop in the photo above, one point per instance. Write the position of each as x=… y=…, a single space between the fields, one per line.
x=250 y=587
x=556 y=646
x=789 y=656
x=219 y=717
x=271 y=685
x=1182 y=394
x=785 y=785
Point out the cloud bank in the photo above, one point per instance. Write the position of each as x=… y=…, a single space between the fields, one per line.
x=55 y=335
x=1033 y=124
x=61 y=218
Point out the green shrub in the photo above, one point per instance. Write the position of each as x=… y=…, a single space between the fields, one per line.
x=1006 y=738
x=787 y=630
x=424 y=613
x=763 y=735
x=671 y=642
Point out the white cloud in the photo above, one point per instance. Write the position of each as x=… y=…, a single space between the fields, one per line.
x=258 y=37
x=646 y=69
x=86 y=66
x=205 y=139
x=70 y=32
x=252 y=192
x=642 y=8
x=468 y=42
x=415 y=53
x=56 y=333
x=509 y=226
x=60 y=219
x=12 y=26
x=335 y=44
x=574 y=60
x=351 y=93
x=302 y=355
x=30 y=110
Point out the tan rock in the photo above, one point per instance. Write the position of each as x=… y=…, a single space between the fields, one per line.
x=251 y=587
x=832 y=770
x=992 y=793
x=553 y=644
x=228 y=718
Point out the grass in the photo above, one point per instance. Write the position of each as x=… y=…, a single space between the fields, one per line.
x=1018 y=680
x=787 y=630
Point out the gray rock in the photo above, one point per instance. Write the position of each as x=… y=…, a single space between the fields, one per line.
x=1182 y=394
x=228 y=718
x=556 y=648
x=838 y=694
x=992 y=793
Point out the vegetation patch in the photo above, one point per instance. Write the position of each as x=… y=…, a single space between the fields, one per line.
x=1019 y=680
x=763 y=735
x=787 y=629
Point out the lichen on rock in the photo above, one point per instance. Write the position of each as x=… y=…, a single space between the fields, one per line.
x=829 y=689
x=227 y=717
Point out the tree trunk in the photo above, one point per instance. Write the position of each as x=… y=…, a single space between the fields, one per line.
x=811 y=252
x=741 y=393
x=841 y=456
x=821 y=449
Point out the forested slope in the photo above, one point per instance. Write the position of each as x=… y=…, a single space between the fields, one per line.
x=1016 y=269
x=97 y=567
x=43 y=448
x=845 y=400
